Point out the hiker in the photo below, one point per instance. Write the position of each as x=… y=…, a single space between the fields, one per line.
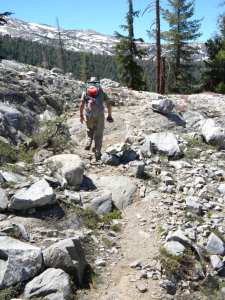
x=92 y=100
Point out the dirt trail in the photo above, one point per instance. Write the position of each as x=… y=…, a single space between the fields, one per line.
x=138 y=240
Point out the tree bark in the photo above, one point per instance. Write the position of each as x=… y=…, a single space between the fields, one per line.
x=158 y=47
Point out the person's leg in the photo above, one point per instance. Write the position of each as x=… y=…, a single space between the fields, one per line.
x=98 y=135
x=90 y=133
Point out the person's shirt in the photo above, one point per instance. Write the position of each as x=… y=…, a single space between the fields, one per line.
x=102 y=99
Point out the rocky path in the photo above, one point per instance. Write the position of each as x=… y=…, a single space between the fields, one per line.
x=133 y=271
x=163 y=171
x=132 y=276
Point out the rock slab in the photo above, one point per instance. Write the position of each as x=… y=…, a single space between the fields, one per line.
x=37 y=195
x=67 y=255
x=18 y=261
x=69 y=166
x=52 y=284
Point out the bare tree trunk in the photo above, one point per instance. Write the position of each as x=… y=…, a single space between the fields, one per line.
x=158 y=46
x=61 y=49
x=162 y=75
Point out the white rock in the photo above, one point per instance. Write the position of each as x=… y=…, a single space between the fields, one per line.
x=215 y=245
x=174 y=248
x=52 y=284
x=164 y=142
x=18 y=262
x=3 y=200
x=163 y=106
x=123 y=189
x=213 y=134
x=216 y=262
x=70 y=166
x=68 y=255
x=38 y=194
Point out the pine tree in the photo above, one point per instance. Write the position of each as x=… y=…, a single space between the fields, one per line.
x=3 y=21
x=183 y=30
x=83 y=67
x=214 y=76
x=160 y=83
x=127 y=54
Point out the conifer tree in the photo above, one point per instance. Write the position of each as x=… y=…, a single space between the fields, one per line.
x=160 y=84
x=183 y=30
x=3 y=21
x=214 y=76
x=83 y=67
x=128 y=55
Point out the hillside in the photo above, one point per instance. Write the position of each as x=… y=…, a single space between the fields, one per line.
x=76 y=40
x=146 y=222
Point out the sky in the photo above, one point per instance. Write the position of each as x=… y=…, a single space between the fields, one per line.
x=104 y=16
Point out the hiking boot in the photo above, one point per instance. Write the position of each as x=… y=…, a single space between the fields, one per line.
x=98 y=156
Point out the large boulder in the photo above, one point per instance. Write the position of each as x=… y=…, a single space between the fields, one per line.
x=67 y=255
x=38 y=194
x=162 y=142
x=215 y=245
x=13 y=117
x=123 y=189
x=68 y=166
x=213 y=134
x=52 y=284
x=163 y=106
x=3 y=200
x=18 y=261
x=102 y=204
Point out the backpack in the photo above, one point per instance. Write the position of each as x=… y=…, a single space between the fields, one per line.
x=94 y=99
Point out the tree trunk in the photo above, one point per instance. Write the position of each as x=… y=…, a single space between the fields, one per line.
x=158 y=46
x=162 y=75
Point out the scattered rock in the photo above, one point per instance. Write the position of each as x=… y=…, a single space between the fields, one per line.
x=51 y=284
x=67 y=255
x=216 y=262
x=12 y=177
x=193 y=205
x=165 y=143
x=163 y=106
x=42 y=155
x=3 y=200
x=19 y=261
x=169 y=286
x=14 y=230
x=142 y=287
x=69 y=166
x=100 y=262
x=215 y=245
x=110 y=159
x=212 y=134
x=122 y=188
x=102 y=204
x=38 y=194
x=174 y=248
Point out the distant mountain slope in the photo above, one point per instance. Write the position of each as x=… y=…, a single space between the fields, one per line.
x=76 y=40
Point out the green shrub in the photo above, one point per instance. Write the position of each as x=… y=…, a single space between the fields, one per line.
x=54 y=134
x=7 y=153
x=177 y=267
x=26 y=155
x=113 y=215
x=220 y=88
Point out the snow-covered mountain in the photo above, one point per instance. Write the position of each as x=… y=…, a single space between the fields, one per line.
x=75 y=40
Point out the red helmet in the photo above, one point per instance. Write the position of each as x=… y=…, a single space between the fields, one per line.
x=92 y=91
